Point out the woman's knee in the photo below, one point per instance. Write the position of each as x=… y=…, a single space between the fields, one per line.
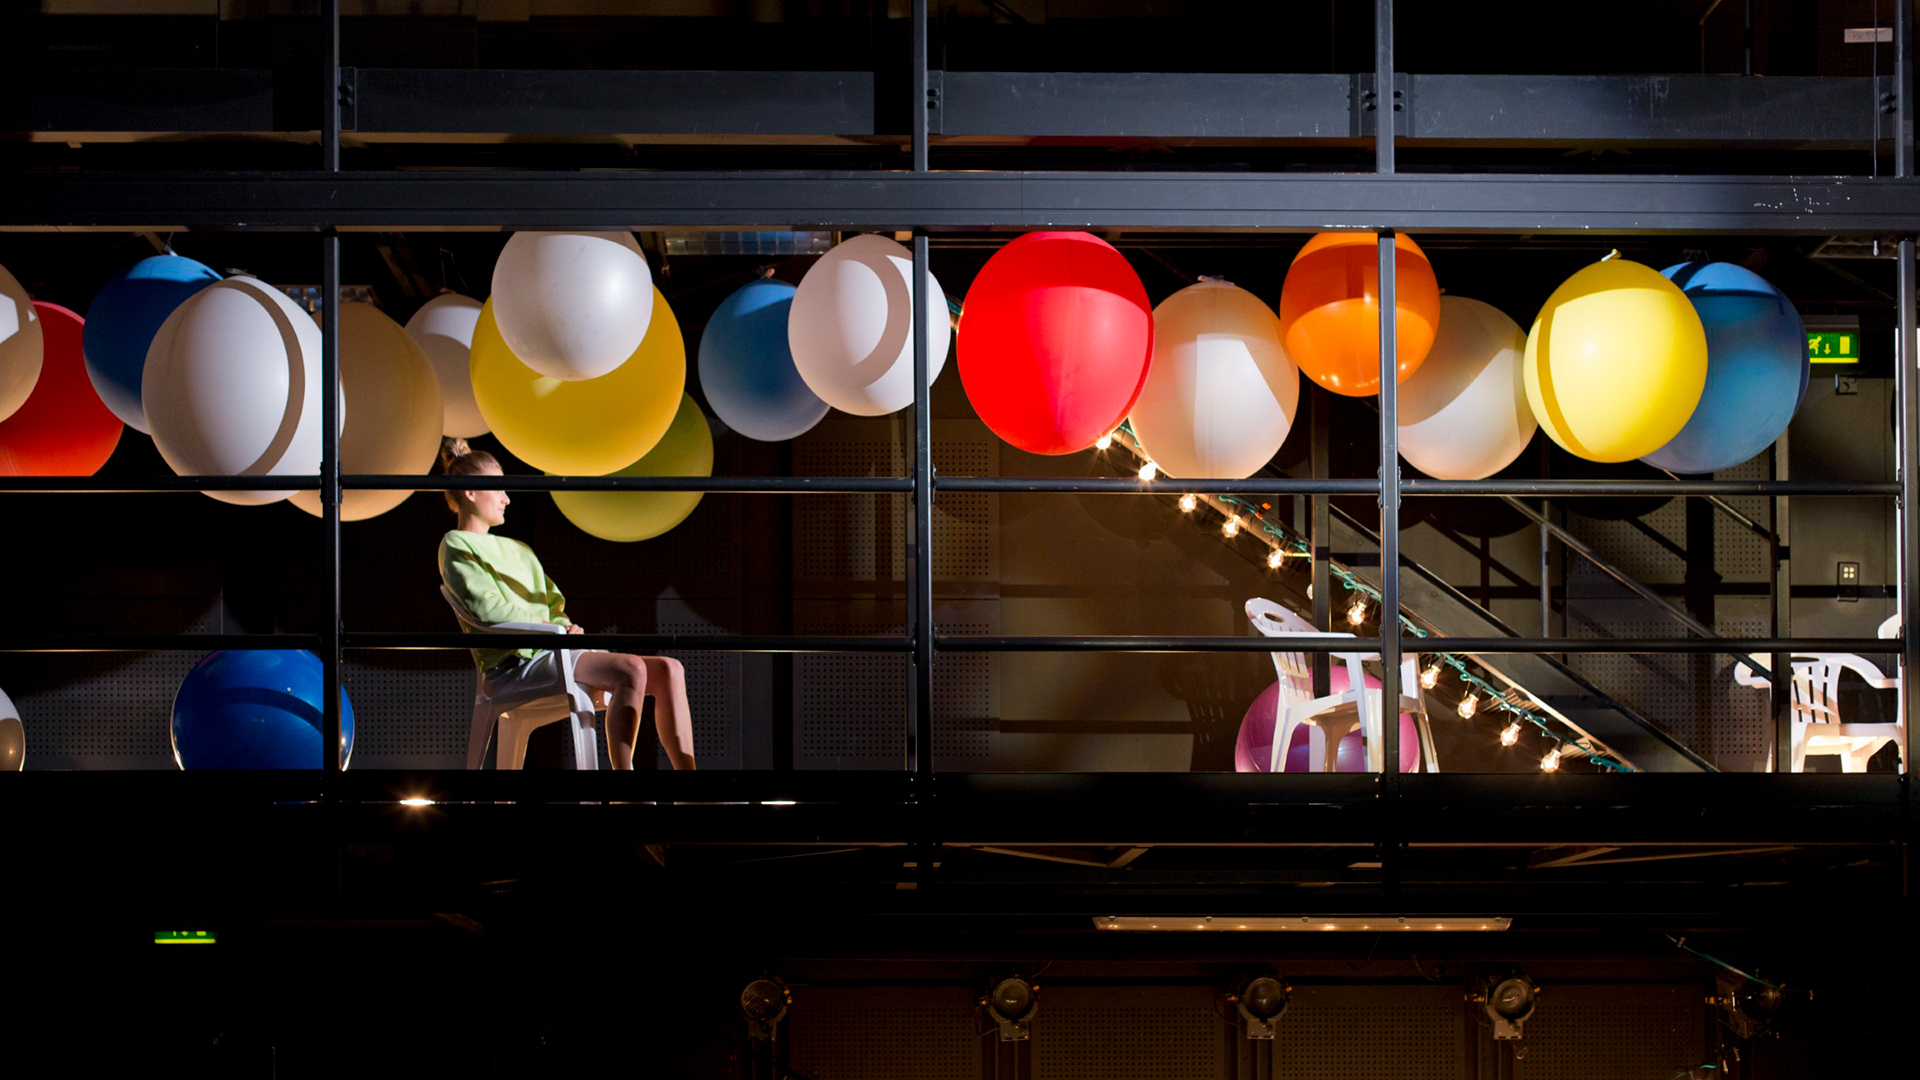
x=667 y=670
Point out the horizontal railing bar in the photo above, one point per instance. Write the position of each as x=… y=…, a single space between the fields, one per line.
x=1333 y=644
x=1560 y=488
x=153 y=642
x=1037 y=484
x=822 y=484
x=767 y=643
x=1128 y=485
x=1150 y=643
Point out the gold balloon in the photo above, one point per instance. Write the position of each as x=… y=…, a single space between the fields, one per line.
x=625 y=516
x=588 y=427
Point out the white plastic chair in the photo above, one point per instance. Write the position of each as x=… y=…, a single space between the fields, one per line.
x=1817 y=725
x=516 y=716
x=1330 y=718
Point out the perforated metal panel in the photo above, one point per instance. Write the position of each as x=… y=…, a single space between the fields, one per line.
x=411 y=710
x=1723 y=722
x=1128 y=1033
x=882 y=1033
x=713 y=681
x=1367 y=1032
x=96 y=710
x=1586 y=1032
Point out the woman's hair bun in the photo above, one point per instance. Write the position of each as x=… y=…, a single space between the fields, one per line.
x=451 y=450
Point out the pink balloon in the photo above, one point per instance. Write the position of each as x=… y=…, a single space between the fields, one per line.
x=1253 y=749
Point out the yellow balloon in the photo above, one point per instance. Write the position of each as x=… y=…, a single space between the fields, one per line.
x=1615 y=362
x=588 y=427
x=626 y=516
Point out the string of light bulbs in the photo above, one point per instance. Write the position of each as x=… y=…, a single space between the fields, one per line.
x=1244 y=515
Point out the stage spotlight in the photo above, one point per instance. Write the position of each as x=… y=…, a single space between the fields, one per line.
x=1260 y=999
x=1011 y=1002
x=764 y=1004
x=1507 y=998
x=1747 y=1006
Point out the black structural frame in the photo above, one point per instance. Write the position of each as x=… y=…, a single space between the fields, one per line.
x=1387 y=810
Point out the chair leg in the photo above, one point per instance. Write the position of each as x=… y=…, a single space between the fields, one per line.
x=586 y=752
x=479 y=733
x=511 y=739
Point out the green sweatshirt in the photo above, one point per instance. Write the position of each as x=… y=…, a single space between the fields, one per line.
x=499 y=580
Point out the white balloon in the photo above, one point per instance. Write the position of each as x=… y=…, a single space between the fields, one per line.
x=444 y=328
x=1464 y=412
x=572 y=305
x=395 y=396
x=232 y=387
x=22 y=345
x=13 y=741
x=851 y=327
x=1221 y=392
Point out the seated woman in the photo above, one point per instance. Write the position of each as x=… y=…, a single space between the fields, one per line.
x=501 y=580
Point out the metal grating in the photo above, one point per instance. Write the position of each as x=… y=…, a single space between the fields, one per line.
x=849 y=709
x=1365 y=1032
x=713 y=682
x=883 y=1033
x=1128 y=1033
x=862 y=538
x=1583 y=1032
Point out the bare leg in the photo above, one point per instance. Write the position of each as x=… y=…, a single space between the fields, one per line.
x=623 y=679
x=667 y=685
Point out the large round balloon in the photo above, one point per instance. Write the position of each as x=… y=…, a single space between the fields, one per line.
x=1253 y=747
x=585 y=428
x=13 y=737
x=625 y=516
x=22 y=348
x=444 y=328
x=121 y=322
x=394 y=403
x=1055 y=341
x=1221 y=393
x=63 y=429
x=1615 y=362
x=1463 y=413
x=747 y=369
x=1330 y=310
x=572 y=305
x=851 y=327
x=1757 y=368
x=255 y=709
x=232 y=387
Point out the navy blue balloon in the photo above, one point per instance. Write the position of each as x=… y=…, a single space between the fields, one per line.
x=746 y=366
x=122 y=320
x=254 y=709
x=1756 y=368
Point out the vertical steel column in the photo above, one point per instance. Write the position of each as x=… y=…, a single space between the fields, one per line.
x=1389 y=415
x=329 y=415
x=1909 y=530
x=1320 y=451
x=1546 y=565
x=920 y=588
x=1902 y=88
x=1780 y=603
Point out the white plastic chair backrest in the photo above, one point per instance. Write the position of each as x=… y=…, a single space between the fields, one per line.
x=1890 y=628
x=1296 y=674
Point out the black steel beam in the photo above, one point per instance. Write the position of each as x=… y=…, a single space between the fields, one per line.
x=1489 y=645
x=1305 y=202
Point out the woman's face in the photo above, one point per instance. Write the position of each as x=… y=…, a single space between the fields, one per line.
x=489 y=506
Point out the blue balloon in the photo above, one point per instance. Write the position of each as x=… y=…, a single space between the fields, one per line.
x=121 y=322
x=746 y=366
x=254 y=709
x=1756 y=368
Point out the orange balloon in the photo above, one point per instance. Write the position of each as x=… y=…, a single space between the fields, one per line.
x=63 y=429
x=1330 y=310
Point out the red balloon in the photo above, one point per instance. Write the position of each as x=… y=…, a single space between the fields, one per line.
x=1054 y=341
x=63 y=429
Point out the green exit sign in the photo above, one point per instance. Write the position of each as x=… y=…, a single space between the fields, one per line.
x=1834 y=347
x=183 y=937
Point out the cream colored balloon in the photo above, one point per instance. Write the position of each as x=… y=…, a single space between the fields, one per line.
x=851 y=327
x=444 y=328
x=572 y=305
x=232 y=387
x=1221 y=392
x=395 y=425
x=13 y=737
x=1464 y=412
x=22 y=345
